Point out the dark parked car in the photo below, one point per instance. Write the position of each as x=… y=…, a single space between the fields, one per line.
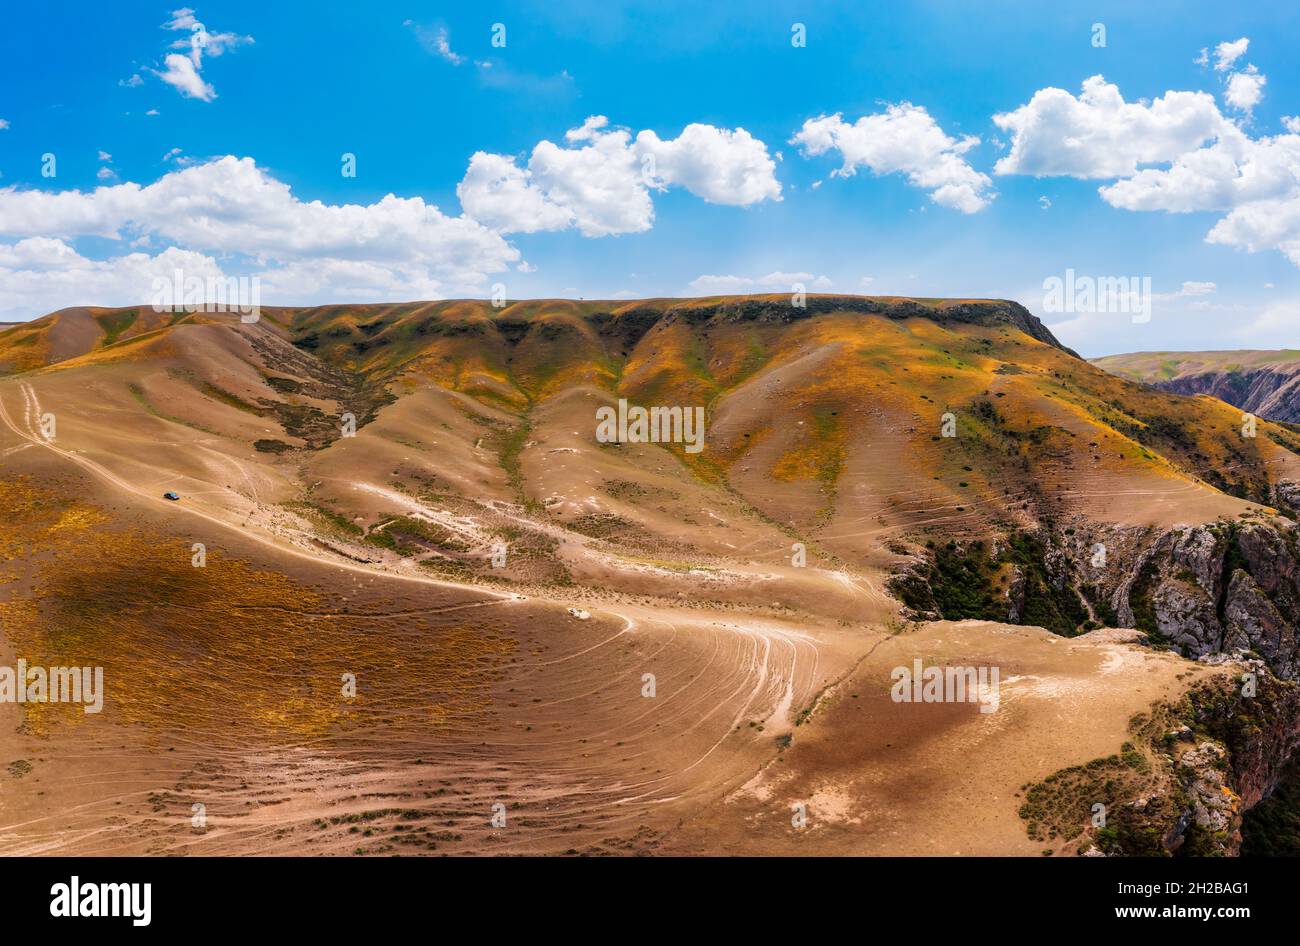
x=172 y=496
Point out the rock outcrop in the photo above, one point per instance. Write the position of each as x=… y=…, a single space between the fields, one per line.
x=1225 y=592
x=1185 y=783
x=1227 y=587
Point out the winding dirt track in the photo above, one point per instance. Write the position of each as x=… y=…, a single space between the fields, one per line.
x=588 y=758
x=32 y=413
x=646 y=728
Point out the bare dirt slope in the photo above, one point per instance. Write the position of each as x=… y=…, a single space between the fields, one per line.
x=620 y=647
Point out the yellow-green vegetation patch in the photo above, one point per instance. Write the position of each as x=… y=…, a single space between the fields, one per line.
x=115 y=323
x=227 y=650
x=23 y=348
x=324 y=518
x=818 y=450
x=230 y=400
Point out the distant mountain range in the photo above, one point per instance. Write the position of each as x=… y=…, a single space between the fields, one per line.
x=1266 y=383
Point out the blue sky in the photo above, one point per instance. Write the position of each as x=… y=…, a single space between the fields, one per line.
x=229 y=149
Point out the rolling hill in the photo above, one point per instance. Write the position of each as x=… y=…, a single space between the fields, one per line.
x=628 y=645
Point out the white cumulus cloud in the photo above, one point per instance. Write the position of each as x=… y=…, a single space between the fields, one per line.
x=1177 y=154
x=600 y=180
x=904 y=139
x=1228 y=52
x=231 y=209
x=717 y=164
x=40 y=274
x=1255 y=180
x=1098 y=135
x=499 y=193
x=1245 y=89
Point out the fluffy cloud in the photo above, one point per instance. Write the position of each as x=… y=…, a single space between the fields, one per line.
x=231 y=205
x=1227 y=53
x=1256 y=181
x=1232 y=171
x=232 y=209
x=1099 y=135
x=903 y=139
x=1245 y=89
x=500 y=194
x=40 y=274
x=232 y=215
x=600 y=184
x=183 y=72
x=600 y=180
x=1262 y=225
x=716 y=164
x=772 y=282
x=1207 y=162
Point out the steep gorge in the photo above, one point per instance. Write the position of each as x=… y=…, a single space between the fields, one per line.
x=1265 y=383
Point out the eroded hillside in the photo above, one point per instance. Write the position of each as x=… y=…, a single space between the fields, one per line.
x=434 y=470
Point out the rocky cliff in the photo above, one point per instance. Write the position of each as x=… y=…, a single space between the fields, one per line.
x=1187 y=780
x=1226 y=592
x=1226 y=587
